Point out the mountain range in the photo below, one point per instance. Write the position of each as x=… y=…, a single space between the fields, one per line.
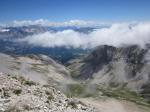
x=85 y=80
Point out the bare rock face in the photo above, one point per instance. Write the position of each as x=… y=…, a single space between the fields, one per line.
x=94 y=62
x=18 y=94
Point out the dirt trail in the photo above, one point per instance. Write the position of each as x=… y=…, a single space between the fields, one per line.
x=112 y=105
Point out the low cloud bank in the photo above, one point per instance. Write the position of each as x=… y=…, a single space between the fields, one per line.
x=44 y=22
x=116 y=35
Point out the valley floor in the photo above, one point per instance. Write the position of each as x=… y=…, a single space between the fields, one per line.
x=113 y=105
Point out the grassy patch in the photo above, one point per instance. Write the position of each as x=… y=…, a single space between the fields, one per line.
x=72 y=104
x=21 y=79
x=75 y=90
x=80 y=90
x=86 y=90
x=6 y=93
x=17 y=91
x=123 y=94
x=29 y=83
x=50 y=96
x=74 y=73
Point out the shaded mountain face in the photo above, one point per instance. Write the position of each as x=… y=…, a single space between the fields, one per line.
x=115 y=67
x=97 y=59
x=133 y=56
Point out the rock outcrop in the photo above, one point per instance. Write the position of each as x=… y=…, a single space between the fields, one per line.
x=18 y=94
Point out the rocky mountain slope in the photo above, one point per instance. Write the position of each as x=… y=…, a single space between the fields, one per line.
x=124 y=67
x=38 y=68
x=108 y=76
x=18 y=94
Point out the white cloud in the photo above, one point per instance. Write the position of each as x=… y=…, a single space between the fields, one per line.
x=116 y=35
x=29 y=22
x=43 y=22
x=67 y=38
x=4 y=30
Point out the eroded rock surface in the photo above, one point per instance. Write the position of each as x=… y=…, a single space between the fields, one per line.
x=18 y=94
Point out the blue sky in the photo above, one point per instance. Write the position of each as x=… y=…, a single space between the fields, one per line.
x=64 y=10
